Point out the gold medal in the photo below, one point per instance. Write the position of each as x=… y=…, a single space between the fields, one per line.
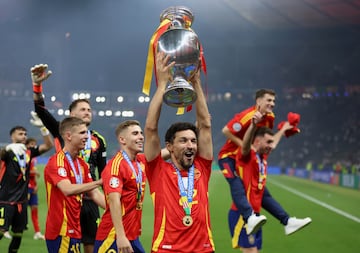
x=139 y=205
x=260 y=186
x=187 y=220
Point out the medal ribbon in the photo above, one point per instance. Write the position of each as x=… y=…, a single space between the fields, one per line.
x=150 y=63
x=138 y=176
x=87 y=150
x=78 y=176
x=186 y=199
x=261 y=169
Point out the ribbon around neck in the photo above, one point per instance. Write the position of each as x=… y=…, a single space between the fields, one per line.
x=186 y=196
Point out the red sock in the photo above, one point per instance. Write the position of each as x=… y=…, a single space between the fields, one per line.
x=35 y=218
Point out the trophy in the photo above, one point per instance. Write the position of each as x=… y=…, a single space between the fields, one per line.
x=181 y=43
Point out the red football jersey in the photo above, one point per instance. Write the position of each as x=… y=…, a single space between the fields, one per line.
x=248 y=168
x=63 y=216
x=118 y=177
x=33 y=174
x=170 y=234
x=238 y=125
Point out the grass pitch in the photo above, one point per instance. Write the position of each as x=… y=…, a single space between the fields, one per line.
x=330 y=207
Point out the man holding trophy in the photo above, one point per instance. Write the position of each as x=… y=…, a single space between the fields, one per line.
x=179 y=187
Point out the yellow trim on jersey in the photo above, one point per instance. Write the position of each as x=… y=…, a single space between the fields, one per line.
x=247 y=117
x=65 y=221
x=48 y=189
x=251 y=113
x=241 y=171
x=160 y=236
x=105 y=246
x=229 y=154
x=248 y=190
x=122 y=209
x=60 y=159
x=208 y=228
x=115 y=166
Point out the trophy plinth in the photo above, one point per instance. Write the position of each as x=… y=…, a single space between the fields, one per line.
x=179 y=93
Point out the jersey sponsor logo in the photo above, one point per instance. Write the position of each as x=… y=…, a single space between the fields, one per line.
x=62 y=172
x=166 y=246
x=114 y=182
x=236 y=127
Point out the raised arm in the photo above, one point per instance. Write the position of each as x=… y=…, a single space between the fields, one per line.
x=152 y=145
x=48 y=142
x=249 y=134
x=229 y=135
x=203 y=118
x=39 y=73
x=279 y=134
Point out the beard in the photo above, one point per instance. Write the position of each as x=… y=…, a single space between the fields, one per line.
x=186 y=164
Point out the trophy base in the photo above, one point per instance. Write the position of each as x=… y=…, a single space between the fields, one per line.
x=179 y=95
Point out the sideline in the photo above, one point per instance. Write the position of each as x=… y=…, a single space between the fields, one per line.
x=316 y=201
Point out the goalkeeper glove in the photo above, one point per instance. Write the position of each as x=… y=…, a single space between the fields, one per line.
x=36 y=121
x=39 y=73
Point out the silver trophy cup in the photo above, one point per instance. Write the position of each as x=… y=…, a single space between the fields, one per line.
x=183 y=47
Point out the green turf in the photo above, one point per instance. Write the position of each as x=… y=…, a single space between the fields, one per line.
x=329 y=232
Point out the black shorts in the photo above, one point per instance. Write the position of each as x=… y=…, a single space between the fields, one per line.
x=89 y=218
x=14 y=216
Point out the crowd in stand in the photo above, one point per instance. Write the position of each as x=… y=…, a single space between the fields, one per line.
x=328 y=138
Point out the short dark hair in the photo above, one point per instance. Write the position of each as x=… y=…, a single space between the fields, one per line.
x=30 y=139
x=68 y=123
x=261 y=131
x=76 y=102
x=125 y=124
x=15 y=128
x=260 y=93
x=179 y=126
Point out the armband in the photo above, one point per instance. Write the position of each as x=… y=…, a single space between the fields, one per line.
x=37 y=88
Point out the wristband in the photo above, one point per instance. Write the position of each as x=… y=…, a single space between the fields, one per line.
x=37 y=88
x=44 y=131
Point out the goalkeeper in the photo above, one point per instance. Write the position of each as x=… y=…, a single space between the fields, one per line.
x=14 y=180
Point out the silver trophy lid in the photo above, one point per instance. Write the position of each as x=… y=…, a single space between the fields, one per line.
x=177 y=14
